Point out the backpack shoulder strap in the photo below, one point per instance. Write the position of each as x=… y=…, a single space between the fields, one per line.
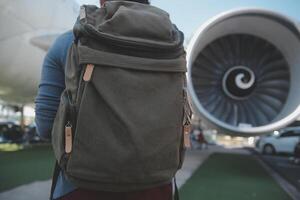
x=54 y=179
x=176 y=192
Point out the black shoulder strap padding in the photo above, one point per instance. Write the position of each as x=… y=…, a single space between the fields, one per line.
x=176 y=193
x=54 y=179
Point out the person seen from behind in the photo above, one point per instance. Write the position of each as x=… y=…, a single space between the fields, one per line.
x=50 y=90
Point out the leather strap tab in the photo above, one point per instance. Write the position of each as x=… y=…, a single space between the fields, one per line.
x=88 y=72
x=68 y=139
x=186 y=134
x=82 y=14
x=176 y=192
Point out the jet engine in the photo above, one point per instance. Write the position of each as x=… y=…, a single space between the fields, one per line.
x=244 y=72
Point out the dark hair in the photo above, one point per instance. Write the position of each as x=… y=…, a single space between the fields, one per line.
x=139 y=1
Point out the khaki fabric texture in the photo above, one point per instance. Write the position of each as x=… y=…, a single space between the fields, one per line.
x=127 y=119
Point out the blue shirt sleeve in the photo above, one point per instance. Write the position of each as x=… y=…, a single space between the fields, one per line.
x=48 y=98
x=51 y=85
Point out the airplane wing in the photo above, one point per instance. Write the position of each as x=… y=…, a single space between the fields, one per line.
x=44 y=42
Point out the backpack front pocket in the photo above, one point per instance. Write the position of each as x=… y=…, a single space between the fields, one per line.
x=123 y=133
x=58 y=130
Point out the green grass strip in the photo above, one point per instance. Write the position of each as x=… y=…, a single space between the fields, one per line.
x=231 y=177
x=25 y=166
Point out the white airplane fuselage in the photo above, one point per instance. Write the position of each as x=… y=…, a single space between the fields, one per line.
x=28 y=28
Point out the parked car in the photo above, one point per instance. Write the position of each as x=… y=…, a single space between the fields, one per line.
x=31 y=136
x=282 y=141
x=297 y=150
x=10 y=131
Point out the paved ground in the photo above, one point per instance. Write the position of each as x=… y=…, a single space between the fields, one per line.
x=230 y=176
x=194 y=158
x=40 y=190
x=285 y=168
x=34 y=191
x=33 y=163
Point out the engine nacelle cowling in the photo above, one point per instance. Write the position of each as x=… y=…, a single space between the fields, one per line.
x=244 y=72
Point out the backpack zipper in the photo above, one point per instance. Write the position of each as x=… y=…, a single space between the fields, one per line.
x=133 y=44
x=186 y=121
x=70 y=121
x=68 y=131
x=88 y=72
x=68 y=138
x=84 y=26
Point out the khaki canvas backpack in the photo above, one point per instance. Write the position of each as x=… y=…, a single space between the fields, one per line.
x=119 y=126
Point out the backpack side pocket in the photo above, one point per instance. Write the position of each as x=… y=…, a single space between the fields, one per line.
x=62 y=119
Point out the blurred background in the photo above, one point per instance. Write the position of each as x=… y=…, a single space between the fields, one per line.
x=218 y=166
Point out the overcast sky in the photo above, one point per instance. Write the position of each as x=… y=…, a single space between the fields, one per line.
x=188 y=15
